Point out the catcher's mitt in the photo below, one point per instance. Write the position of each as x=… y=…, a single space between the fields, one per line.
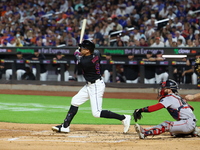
x=137 y=114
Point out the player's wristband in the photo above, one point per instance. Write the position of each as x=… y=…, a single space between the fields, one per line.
x=145 y=109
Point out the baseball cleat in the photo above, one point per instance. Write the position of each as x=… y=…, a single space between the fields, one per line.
x=126 y=122
x=196 y=132
x=60 y=128
x=139 y=129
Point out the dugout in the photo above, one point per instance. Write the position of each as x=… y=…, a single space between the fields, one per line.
x=119 y=55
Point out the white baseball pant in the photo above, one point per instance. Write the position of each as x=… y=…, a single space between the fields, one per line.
x=66 y=76
x=161 y=77
x=149 y=81
x=80 y=78
x=194 y=78
x=106 y=77
x=94 y=92
x=132 y=81
x=43 y=76
x=19 y=73
x=182 y=126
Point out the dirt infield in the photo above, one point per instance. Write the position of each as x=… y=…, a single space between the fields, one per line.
x=15 y=136
x=86 y=137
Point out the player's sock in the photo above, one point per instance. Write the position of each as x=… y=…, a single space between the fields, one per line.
x=70 y=115
x=110 y=114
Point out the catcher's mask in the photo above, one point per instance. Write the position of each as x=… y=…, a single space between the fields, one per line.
x=197 y=66
x=169 y=84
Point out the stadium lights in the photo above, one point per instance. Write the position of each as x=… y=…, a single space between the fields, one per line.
x=174 y=56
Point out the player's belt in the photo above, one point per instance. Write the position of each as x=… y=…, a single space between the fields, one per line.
x=188 y=118
x=91 y=82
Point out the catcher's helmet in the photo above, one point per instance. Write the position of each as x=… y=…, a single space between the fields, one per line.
x=87 y=44
x=170 y=84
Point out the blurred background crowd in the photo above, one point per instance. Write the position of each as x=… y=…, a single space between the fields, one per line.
x=110 y=23
x=137 y=23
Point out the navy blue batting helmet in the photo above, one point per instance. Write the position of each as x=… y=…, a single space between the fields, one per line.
x=87 y=44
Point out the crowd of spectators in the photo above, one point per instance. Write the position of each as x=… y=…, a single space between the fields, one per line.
x=58 y=22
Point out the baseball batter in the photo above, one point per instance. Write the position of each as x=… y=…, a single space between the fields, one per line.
x=89 y=61
x=177 y=107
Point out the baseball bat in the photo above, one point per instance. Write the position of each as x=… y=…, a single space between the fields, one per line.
x=82 y=30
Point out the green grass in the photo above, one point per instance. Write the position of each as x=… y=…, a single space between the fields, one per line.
x=53 y=109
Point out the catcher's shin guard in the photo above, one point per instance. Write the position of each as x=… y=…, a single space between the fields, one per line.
x=159 y=129
x=70 y=115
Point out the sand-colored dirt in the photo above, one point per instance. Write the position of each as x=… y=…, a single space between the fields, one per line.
x=86 y=137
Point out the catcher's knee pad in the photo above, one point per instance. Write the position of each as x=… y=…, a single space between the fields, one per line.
x=166 y=125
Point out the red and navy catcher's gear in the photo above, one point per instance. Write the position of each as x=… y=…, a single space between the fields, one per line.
x=169 y=84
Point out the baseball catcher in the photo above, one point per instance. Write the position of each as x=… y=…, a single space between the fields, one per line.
x=178 y=108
